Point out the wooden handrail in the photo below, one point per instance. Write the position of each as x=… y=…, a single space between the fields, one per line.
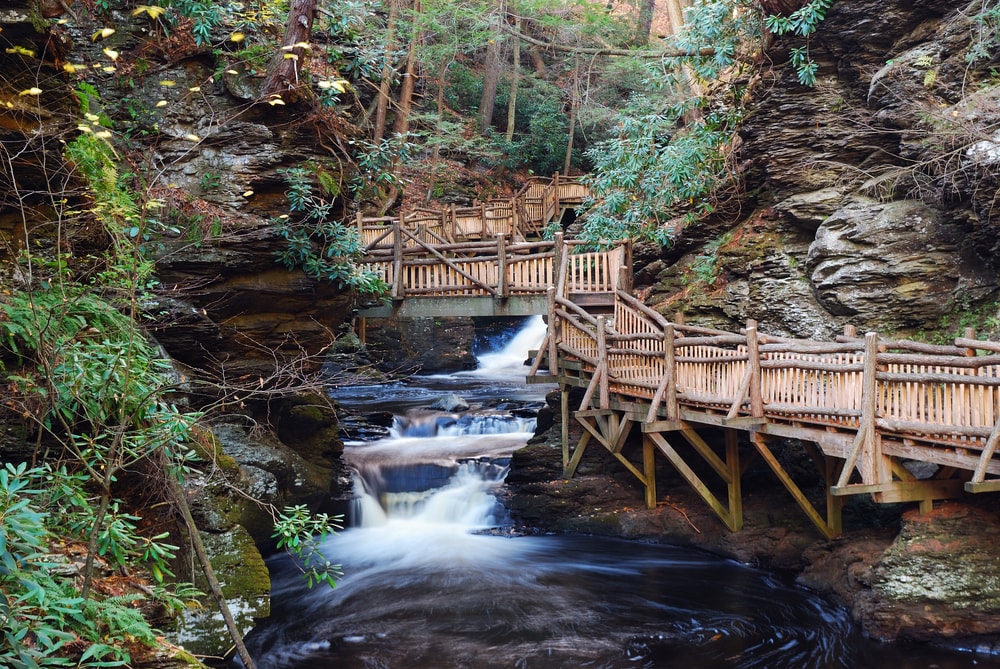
x=946 y=403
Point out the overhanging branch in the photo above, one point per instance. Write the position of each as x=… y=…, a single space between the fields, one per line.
x=661 y=53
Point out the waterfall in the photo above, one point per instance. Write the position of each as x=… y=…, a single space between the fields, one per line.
x=428 y=584
x=510 y=360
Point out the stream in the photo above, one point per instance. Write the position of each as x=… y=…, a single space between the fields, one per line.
x=433 y=581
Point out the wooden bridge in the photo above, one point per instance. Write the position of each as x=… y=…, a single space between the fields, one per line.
x=865 y=409
x=477 y=261
x=526 y=215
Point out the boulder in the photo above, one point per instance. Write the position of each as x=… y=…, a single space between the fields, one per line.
x=451 y=403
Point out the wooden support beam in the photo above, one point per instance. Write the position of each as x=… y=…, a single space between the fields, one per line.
x=760 y=443
x=574 y=461
x=734 y=487
x=989 y=485
x=903 y=491
x=703 y=491
x=564 y=426
x=595 y=381
x=649 y=469
x=705 y=451
x=987 y=455
x=554 y=329
x=662 y=426
x=829 y=469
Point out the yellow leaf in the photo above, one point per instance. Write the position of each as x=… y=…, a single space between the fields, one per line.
x=339 y=85
x=153 y=11
x=275 y=101
x=108 y=68
x=84 y=128
x=168 y=82
x=104 y=134
x=247 y=193
x=34 y=90
x=231 y=72
x=69 y=67
x=103 y=33
x=20 y=50
x=302 y=45
x=291 y=56
x=162 y=103
x=195 y=89
x=192 y=137
x=91 y=117
x=111 y=53
x=237 y=37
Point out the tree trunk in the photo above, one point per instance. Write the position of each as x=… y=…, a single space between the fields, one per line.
x=573 y=95
x=402 y=125
x=492 y=74
x=283 y=72
x=387 y=71
x=646 y=12
x=676 y=14
x=514 y=81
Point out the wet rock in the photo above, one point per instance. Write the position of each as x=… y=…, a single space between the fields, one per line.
x=450 y=402
x=309 y=424
x=939 y=579
x=246 y=586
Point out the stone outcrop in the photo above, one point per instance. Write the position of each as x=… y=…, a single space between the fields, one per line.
x=874 y=189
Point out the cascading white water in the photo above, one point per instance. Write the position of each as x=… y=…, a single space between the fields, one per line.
x=425 y=588
x=509 y=361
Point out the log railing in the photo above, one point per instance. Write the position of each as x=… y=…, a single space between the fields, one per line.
x=540 y=202
x=907 y=400
x=415 y=267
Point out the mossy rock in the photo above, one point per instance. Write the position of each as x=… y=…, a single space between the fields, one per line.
x=246 y=584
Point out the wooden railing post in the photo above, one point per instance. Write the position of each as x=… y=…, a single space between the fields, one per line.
x=868 y=457
x=753 y=353
x=970 y=333
x=602 y=362
x=502 y=279
x=554 y=331
x=397 y=260
x=558 y=264
x=670 y=371
x=624 y=280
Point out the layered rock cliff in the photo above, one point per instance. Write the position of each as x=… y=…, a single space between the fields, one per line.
x=872 y=192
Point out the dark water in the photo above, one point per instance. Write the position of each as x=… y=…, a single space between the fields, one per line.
x=428 y=586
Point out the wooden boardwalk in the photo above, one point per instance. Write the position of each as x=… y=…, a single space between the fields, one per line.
x=865 y=409
x=540 y=202
x=477 y=261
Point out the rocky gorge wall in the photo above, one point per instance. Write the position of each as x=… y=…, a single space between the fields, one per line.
x=869 y=196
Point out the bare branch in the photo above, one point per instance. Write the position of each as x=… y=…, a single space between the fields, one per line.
x=631 y=53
